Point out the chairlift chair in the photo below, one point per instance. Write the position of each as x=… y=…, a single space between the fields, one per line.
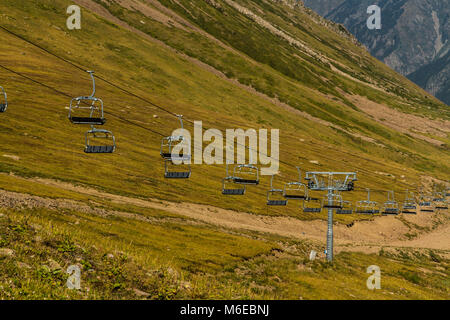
x=167 y=144
x=100 y=134
x=425 y=204
x=409 y=205
x=91 y=103
x=312 y=205
x=229 y=186
x=3 y=100
x=347 y=208
x=367 y=206
x=176 y=174
x=246 y=174
x=441 y=205
x=275 y=196
x=333 y=201
x=296 y=190
x=440 y=201
x=390 y=207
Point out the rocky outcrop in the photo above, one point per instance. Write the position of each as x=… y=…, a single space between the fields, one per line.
x=413 y=40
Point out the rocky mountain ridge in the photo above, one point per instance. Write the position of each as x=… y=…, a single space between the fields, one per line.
x=413 y=39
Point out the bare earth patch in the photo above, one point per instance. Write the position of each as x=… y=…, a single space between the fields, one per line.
x=16 y=158
x=380 y=231
x=406 y=123
x=152 y=13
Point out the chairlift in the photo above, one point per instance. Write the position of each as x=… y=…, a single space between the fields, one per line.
x=440 y=204
x=275 y=196
x=3 y=100
x=229 y=188
x=296 y=190
x=347 y=208
x=246 y=174
x=91 y=103
x=440 y=201
x=425 y=204
x=312 y=205
x=170 y=173
x=409 y=205
x=367 y=206
x=333 y=201
x=167 y=144
x=390 y=207
x=99 y=134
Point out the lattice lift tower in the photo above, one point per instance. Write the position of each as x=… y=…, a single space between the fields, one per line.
x=332 y=182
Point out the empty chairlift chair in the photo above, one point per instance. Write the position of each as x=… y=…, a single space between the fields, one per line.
x=347 y=208
x=173 y=163
x=409 y=205
x=296 y=190
x=94 y=136
x=425 y=204
x=334 y=201
x=275 y=196
x=230 y=188
x=175 y=174
x=390 y=207
x=312 y=205
x=173 y=167
x=3 y=100
x=439 y=200
x=442 y=205
x=246 y=174
x=168 y=143
x=87 y=109
x=367 y=206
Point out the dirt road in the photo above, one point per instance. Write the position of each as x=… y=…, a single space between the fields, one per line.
x=380 y=231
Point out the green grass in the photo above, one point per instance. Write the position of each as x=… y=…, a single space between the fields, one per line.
x=118 y=256
x=136 y=169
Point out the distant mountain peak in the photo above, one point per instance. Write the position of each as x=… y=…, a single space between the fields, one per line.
x=413 y=39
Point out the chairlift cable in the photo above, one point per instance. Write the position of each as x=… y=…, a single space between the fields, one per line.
x=67 y=95
x=124 y=120
x=117 y=86
x=128 y=92
x=83 y=69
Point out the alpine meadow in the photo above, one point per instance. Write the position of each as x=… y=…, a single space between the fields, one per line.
x=138 y=225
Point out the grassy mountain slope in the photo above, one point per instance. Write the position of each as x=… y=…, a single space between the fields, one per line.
x=268 y=65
